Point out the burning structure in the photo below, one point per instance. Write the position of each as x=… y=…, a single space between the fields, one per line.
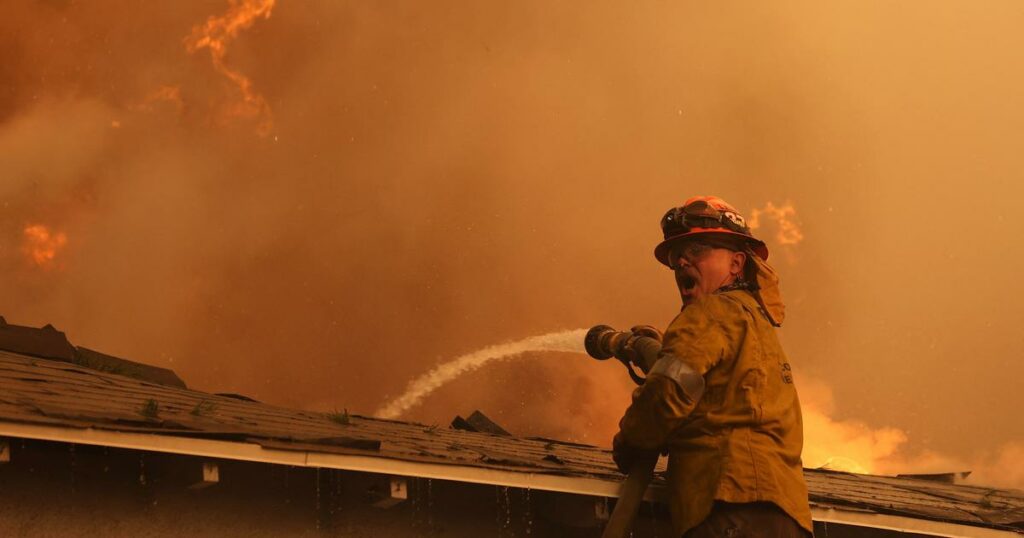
x=131 y=450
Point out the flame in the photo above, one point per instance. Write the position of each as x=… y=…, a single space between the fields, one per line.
x=43 y=245
x=844 y=445
x=857 y=447
x=214 y=35
x=788 y=229
x=163 y=94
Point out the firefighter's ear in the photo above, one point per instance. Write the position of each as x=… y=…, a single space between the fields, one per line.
x=738 y=264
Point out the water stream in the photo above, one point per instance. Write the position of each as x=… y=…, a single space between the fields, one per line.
x=421 y=387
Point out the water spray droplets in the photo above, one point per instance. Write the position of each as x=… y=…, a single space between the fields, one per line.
x=527 y=512
x=504 y=511
x=422 y=496
x=72 y=462
x=142 y=470
x=319 y=502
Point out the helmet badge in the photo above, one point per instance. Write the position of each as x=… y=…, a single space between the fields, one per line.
x=735 y=218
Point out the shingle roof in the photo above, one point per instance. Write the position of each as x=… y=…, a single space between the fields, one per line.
x=43 y=392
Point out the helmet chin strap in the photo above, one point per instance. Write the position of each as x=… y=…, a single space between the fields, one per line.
x=729 y=280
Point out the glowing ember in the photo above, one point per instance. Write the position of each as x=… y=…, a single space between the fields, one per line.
x=42 y=245
x=215 y=34
x=787 y=228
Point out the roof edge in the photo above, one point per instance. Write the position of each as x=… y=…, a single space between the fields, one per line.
x=252 y=452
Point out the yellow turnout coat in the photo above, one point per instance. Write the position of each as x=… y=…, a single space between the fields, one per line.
x=741 y=441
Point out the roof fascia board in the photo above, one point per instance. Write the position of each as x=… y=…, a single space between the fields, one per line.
x=242 y=451
x=906 y=524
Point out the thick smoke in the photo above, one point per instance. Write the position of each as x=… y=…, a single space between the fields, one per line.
x=439 y=177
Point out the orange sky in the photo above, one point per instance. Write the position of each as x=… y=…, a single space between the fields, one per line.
x=427 y=180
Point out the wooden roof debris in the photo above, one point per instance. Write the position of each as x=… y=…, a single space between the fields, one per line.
x=478 y=422
x=945 y=478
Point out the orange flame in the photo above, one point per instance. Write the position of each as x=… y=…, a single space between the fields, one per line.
x=42 y=245
x=787 y=228
x=163 y=94
x=215 y=34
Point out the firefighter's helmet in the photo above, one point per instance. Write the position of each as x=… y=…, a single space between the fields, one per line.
x=707 y=217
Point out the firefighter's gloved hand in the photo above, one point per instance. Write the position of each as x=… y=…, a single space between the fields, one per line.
x=626 y=456
x=626 y=353
x=648 y=331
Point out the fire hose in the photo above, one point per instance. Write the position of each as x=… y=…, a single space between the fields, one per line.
x=637 y=348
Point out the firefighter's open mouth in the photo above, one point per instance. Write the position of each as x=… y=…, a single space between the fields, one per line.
x=688 y=282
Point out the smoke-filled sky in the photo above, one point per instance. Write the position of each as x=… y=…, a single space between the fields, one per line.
x=406 y=182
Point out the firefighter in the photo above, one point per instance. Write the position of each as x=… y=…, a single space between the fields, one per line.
x=720 y=399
